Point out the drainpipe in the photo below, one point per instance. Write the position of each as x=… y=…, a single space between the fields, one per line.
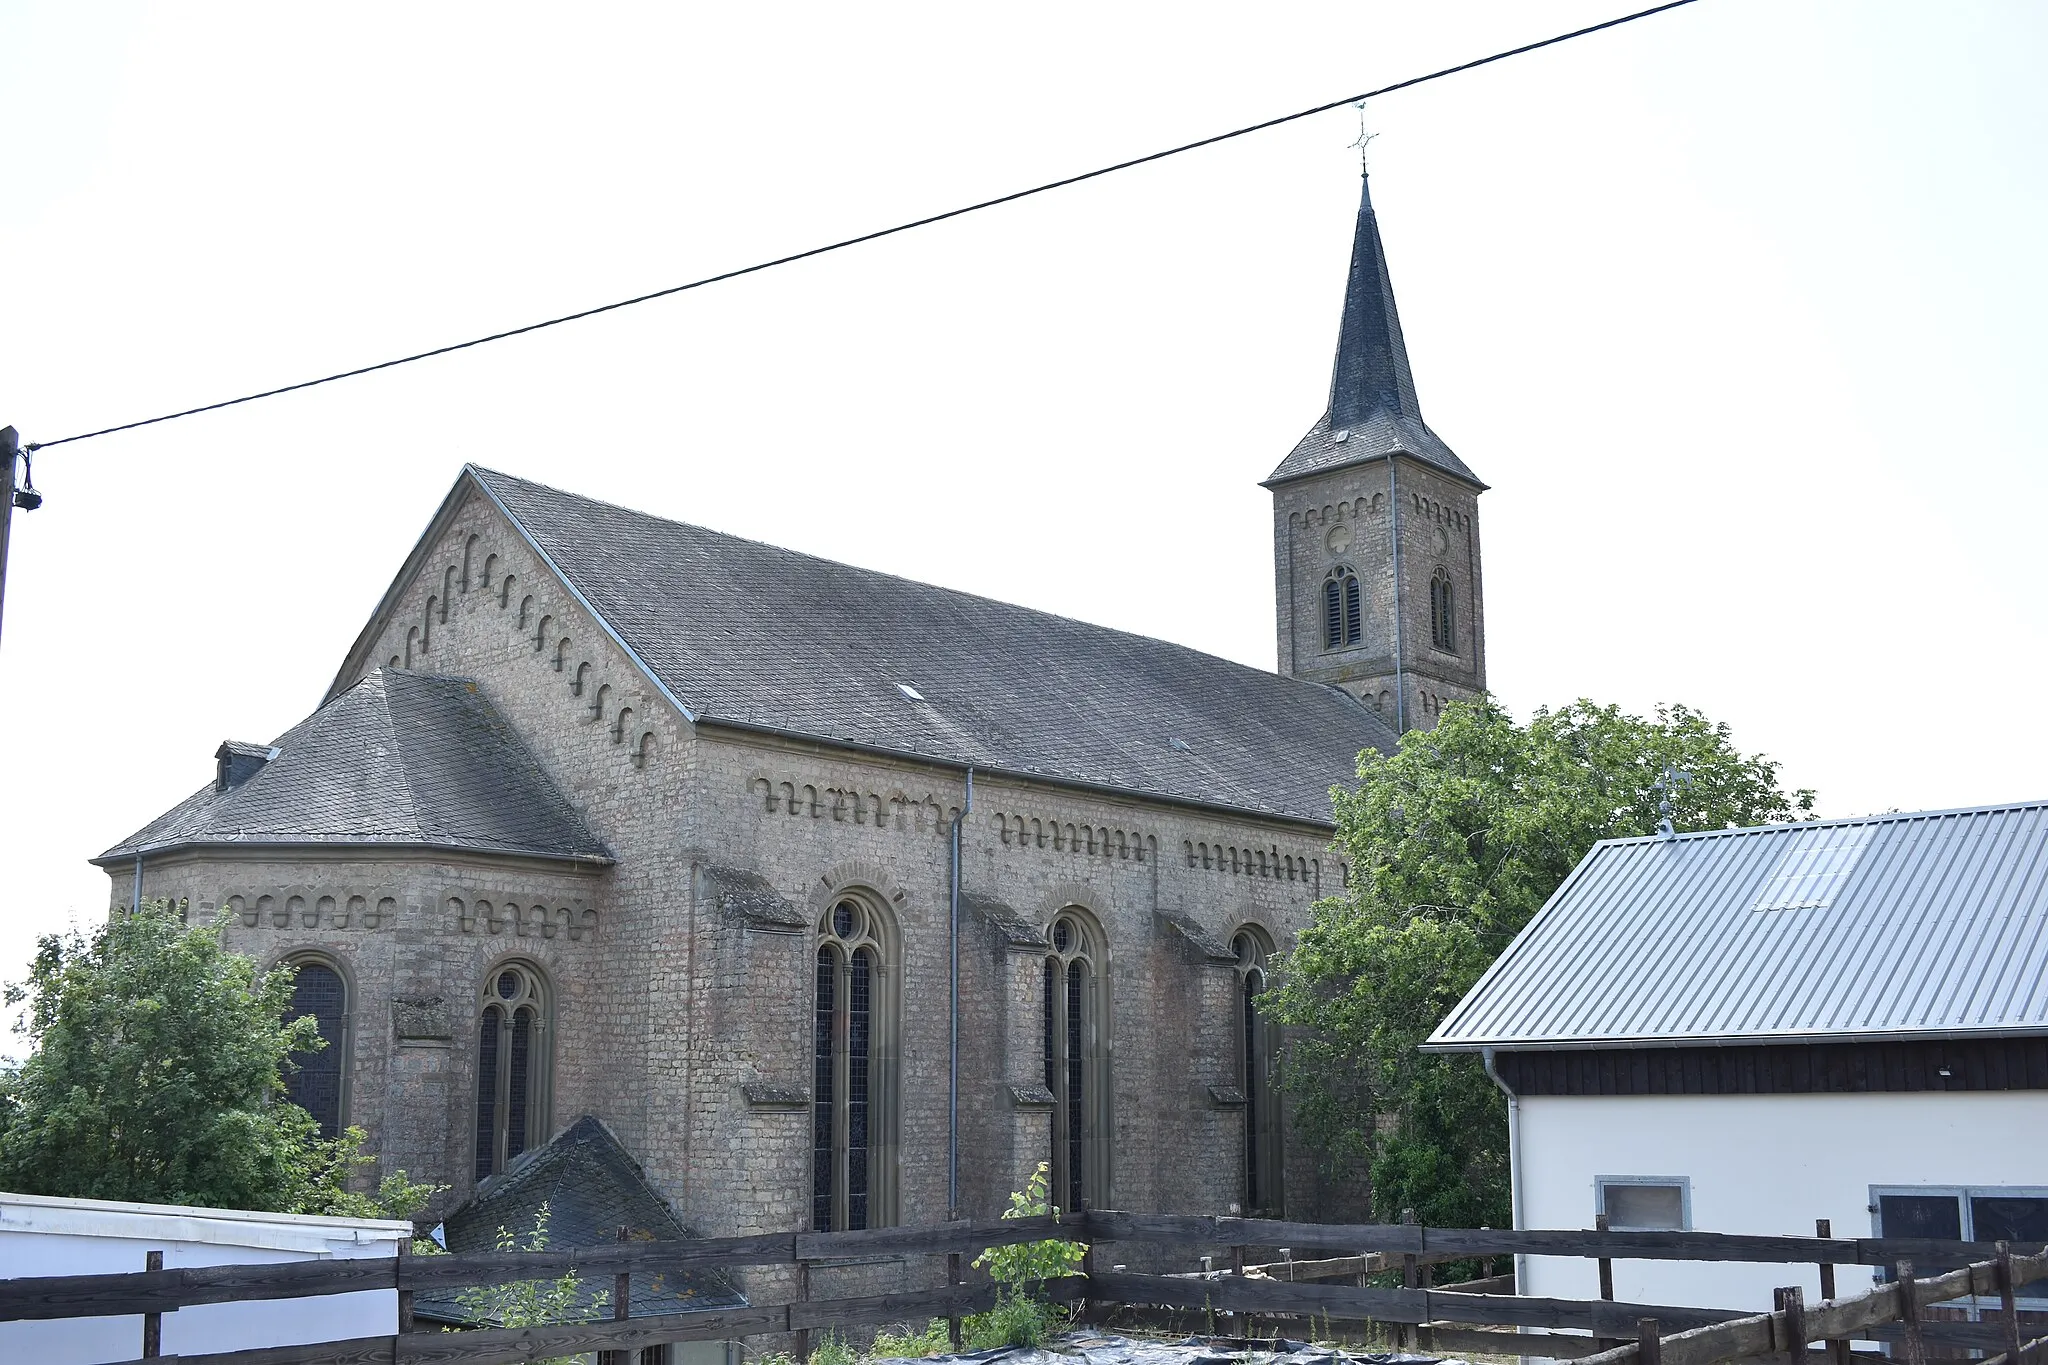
x=953 y=995
x=135 y=905
x=1514 y=1160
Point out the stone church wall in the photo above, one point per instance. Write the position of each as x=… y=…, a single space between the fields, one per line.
x=685 y=1023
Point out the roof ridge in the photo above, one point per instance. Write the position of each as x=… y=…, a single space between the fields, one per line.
x=1831 y=822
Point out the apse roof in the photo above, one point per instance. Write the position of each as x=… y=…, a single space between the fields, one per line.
x=400 y=758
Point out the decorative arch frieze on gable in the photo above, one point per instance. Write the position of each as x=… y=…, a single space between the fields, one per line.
x=527 y=614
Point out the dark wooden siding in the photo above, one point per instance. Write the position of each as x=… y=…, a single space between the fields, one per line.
x=1782 y=1069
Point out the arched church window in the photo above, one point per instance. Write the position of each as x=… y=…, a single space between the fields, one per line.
x=1075 y=999
x=513 y=1052
x=1443 y=622
x=317 y=1078
x=853 y=1079
x=1257 y=1056
x=1343 y=622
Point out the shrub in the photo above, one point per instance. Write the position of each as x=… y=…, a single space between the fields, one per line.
x=904 y=1342
x=1022 y=1315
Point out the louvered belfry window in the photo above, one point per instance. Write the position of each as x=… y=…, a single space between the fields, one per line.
x=315 y=1085
x=1343 y=612
x=1071 y=995
x=1443 y=621
x=511 y=1068
x=849 y=1084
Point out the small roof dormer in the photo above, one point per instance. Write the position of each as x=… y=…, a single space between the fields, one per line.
x=235 y=762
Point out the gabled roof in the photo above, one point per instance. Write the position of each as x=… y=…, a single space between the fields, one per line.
x=592 y=1187
x=400 y=758
x=745 y=634
x=1924 y=925
x=1373 y=412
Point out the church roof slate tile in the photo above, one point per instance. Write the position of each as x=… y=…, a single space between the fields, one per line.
x=752 y=635
x=400 y=758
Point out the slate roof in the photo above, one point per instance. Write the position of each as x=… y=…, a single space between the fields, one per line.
x=400 y=758
x=748 y=634
x=592 y=1187
x=1917 y=926
x=1372 y=390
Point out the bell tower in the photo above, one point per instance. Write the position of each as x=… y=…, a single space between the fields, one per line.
x=1376 y=525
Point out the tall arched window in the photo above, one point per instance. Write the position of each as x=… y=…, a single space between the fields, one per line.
x=1343 y=622
x=316 y=1083
x=853 y=1076
x=1075 y=999
x=513 y=1050
x=1443 y=621
x=1257 y=1055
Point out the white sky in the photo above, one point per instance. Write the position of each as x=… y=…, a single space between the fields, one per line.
x=1733 y=307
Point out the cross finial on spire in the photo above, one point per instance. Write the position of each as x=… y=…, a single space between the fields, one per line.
x=1364 y=138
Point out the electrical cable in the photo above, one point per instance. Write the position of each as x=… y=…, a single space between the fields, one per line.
x=865 y=237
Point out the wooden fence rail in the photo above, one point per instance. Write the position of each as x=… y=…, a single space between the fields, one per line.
x=1699 y=1336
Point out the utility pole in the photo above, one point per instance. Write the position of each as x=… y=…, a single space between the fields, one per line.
x=11 y=497
x=10 y=444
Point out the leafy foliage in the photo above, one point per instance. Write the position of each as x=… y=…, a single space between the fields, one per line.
x=1022 y=1316
x=903 y=1343
x=1454 y=842
x=535 y=1303
x=156 y=1074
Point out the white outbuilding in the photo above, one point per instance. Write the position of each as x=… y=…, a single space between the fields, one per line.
x=49 y=1236
x=1748 y=1030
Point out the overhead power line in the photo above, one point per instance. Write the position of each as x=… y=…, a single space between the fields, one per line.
x=846 y=242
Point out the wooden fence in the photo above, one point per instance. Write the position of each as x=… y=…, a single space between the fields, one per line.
x=1598 y=1331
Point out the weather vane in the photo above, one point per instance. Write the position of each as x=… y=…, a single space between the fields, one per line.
x=1668 y=786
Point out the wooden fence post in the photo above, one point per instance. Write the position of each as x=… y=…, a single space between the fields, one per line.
x=1795 y=1324
x=1411 y=1278
x=1837 y=1347
x=404 y=1295
x=2009 y=1309
x=1241 y=1323
x=803 y=1295
x=953 y=1277
x=153 y=1323
x=1909 y=1314
x=622 y=1288
x=1649 y=1342
x=1606 y=1262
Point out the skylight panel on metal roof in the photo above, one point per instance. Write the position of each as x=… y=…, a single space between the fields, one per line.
x=1815 y=869
x=907 y=690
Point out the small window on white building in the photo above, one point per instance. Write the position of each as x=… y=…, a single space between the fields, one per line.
x=1644 y=1203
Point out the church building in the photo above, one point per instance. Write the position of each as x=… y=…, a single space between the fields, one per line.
x=840 y=900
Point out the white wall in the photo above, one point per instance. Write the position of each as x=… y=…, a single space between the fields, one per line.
x=1761 y=1164
x=95 y=1237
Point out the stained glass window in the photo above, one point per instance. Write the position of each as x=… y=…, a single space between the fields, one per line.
x=511 y=1068
x=1073 y=1066
x=851 y=1095
x=315 y=1084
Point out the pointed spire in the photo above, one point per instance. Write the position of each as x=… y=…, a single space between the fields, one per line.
x=1373 y=413
x=1372 y=361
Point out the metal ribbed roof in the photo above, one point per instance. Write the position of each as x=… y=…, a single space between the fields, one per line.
x=1929 y=924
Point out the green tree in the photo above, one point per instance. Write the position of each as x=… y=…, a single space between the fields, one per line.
x=156 y=1076
x=535 y=1303
x=1453 y=843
